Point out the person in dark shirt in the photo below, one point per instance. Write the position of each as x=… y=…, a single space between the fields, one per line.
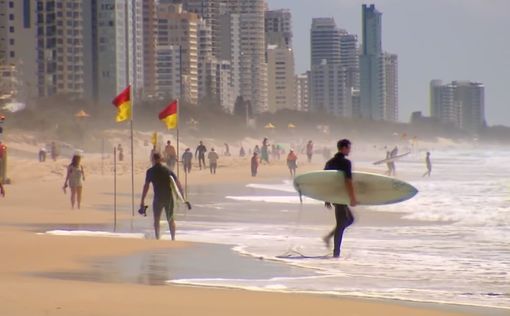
x=159 y=176
x=187 y=157
x=200 y=152
x=343 y=214
x=429 y=165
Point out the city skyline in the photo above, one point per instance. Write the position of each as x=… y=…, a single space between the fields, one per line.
x=461 y=58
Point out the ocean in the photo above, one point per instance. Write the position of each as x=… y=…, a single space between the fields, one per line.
x=452 y=244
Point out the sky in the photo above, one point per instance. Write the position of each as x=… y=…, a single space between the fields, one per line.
x=434 y=39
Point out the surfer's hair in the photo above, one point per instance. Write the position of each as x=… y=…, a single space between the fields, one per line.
x=343 y=143
x=156 y=156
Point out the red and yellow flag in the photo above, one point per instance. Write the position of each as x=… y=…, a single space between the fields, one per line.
x=123 y=104
x=169 y=115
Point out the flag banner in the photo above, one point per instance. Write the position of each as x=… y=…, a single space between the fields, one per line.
x=169 y=115
x=123 y=104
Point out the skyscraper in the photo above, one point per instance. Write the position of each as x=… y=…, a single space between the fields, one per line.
x=303 y=92
x=18 y=47
x=391 y=78
x=281 y=78
x=372 y=78
x=178 y=29
x=325 y=42
x=459 y=102
x=243 y=44
x=60 y=48
x=118 y=51
x=278 y=25
x=329 y=91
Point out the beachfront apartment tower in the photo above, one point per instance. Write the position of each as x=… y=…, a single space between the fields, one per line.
x=325 y=42
x=60 y=48
x=281 y=78
x=372 y=77
x=391 y=78
x=118 y=51
x=303 y=92
x=461 y=103
x=18 y=47
x=278 y=26
x=179 y=29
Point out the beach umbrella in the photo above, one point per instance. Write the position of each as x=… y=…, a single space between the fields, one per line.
x=269 y=125
x=82 y=114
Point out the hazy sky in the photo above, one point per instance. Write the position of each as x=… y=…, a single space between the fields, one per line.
x=434 y=39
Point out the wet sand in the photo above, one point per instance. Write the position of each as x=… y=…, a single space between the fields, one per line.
x=31 y=263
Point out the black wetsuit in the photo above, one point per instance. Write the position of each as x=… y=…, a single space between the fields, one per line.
x=343 y=214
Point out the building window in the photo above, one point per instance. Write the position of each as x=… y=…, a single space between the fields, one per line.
x=11 y=53
x=11 y=17
x=11 y=41
x=11 y=29
x=11 y=4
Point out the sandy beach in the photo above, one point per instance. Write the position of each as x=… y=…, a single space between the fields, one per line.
x=35 y=203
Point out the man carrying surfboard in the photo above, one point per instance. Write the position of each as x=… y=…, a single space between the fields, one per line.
x=343 y=214
x=159 y=176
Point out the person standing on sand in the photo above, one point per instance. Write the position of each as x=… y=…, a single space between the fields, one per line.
x=187 y=156
x=343 y=214
x=429 y=165
x=74 y=179
x=159 y=176
x=121 y=152
x=213 y=161
x=242 y=152
x=292 y=162
x=200 y=152
x=264 y=152
x=42 y=154
x=309 y=151
x=254 y=164
x=170 y=155
x=54 y=151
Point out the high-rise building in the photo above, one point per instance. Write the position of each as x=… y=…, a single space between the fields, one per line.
x=207 y=63
x=118 y=48
x=459 y=102
x=242 y=42
x=372 y=78
x=18 y=47
x=349 y=58
x=60 y=48
x=149 y=48
x=168 y=75
x=391 y=78
x=224 y=86
x=328 y=90
x=278 y=26
x=281 y=78
x=325 y=42
x=303 y=92
x=178 y=28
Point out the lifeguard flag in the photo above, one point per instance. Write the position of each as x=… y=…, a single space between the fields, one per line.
x=123 y=104
x=169 y=115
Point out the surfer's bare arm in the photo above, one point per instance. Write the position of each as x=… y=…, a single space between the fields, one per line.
x=144 y=193
x=82 y=173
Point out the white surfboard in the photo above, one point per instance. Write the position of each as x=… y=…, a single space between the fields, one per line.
x=391 y=159
x=175 y=190
x=370 y=189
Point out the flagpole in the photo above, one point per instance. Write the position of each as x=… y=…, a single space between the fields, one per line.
x=132 y=99
x=177 y=136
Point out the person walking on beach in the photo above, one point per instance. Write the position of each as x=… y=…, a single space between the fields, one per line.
x=159 y=176
x=187 y=156
x=213 y=161
x=254 y=164
x=264 y=152
x=54 y=151
x=74 y=180
x=170 y=156
x=42 y=154
x=242 y=152
x=121 y=152
x=309 y=151
x=200 y=152
x=343 y=214
x=292 y=162
x=429 y=165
